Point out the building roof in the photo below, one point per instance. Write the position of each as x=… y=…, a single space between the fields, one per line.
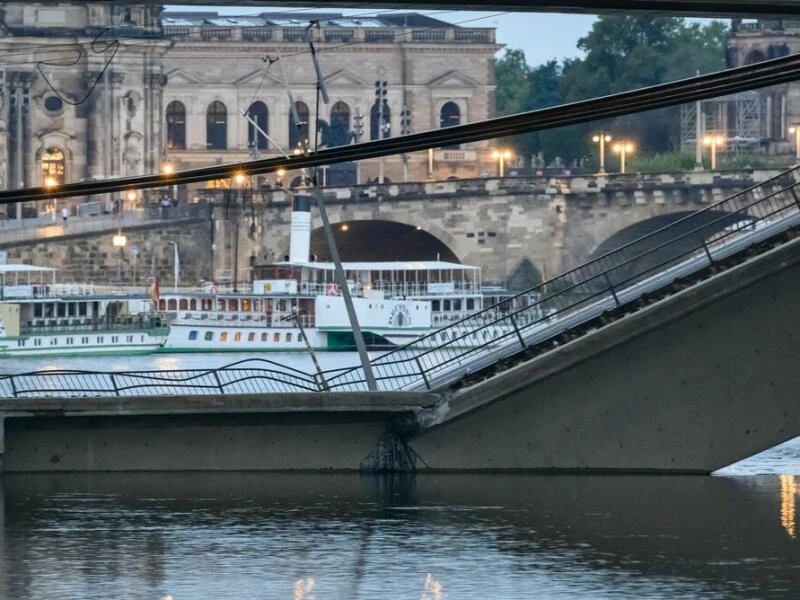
x=213 y=19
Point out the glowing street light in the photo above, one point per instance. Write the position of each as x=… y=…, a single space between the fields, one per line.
x=239 y=178
x=713 y=141
x=602 y=139
x=501 y=155
x=795 y=129
x=119 y=241
x=623 y=149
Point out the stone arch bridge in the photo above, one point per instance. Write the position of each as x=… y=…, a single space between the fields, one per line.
x=516 y=229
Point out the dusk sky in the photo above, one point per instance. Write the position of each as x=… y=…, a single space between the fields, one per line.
x=541 y=35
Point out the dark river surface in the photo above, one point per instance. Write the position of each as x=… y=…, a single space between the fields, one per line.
x=190 y=536
x=425 y=537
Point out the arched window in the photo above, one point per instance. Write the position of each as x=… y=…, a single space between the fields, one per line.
x=340 y=116
x=754 y=56
x=449 y=116
x=298 y=132
x=216 y=126
x=384 y=117
x=52 y=167
x=257 y=112
x=176 y=126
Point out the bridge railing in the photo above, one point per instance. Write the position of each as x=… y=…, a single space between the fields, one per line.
x=575 y=297
x=533 y=316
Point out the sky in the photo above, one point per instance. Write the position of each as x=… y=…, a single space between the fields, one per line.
x=542 y=36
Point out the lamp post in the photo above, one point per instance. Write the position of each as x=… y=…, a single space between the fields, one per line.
x=50 y=184
x=501 y=155
x=623 y=149
x=713 y=141
x=119 y=241
x=602 y=138
x=795 y=129
x=168 y=170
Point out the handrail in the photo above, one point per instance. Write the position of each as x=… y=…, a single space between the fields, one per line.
x=533 y=316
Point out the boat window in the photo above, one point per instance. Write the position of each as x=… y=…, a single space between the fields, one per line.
x=245 y=305
x=282 y=305
x=193 y=304
x=162 y=304
x=100 y=339
x=62 y=309
x=37 y=310
x=81 y=309
x=276 y=337
x=183 y=304
x=209 y=336
x=470 y=304
x=114 y=339
x=223 y=337
x=288 y=337
x=53 y=342
x=257 y=305
x=456 y=304
x=221 y=304
x=129 y=339
x=193 y=335
x=233 y=305
x=172 y=304
x=446 y=305
x=207 y=303
x=436 y=306
x=237 y=337
x=264 y=337
x=300 y=337
x=251 y=337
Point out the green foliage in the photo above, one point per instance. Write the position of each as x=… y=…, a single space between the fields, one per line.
x=661 y=163
x=621 y=53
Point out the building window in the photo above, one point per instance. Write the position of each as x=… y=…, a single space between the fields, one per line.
x=192 y=335
x=375 y=116
x=339 y=133
x=53 y=104
x=298 y=131
x=450 y=116
x=53 y=165
x=176 y=126
x=255 y=139
x=217 y=126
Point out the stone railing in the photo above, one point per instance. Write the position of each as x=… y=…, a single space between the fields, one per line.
x=332 y=35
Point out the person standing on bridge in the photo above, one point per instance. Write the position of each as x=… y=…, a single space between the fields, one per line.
x=65 y=215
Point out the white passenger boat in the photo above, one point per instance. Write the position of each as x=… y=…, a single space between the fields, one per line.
x=40 y=317
x=295 y=304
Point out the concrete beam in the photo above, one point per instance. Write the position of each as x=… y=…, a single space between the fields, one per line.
x=692 y=383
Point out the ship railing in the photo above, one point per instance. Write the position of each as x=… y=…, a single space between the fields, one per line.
x=87 y=324
x=400 y=290
x=243 y=319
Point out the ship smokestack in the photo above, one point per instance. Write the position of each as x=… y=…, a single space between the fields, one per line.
x=300 y=240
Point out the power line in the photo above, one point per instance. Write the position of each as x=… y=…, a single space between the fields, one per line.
x=759 y=75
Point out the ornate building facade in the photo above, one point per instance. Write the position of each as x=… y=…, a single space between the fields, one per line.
x=776 y=109
x=92 y=91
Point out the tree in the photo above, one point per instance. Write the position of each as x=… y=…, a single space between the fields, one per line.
x=621 y=53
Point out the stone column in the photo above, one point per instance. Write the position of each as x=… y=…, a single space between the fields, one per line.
x=154 y=83
x=115 y=123
x=94 y=128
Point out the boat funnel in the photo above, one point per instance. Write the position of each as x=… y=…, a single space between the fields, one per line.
x=300 y=241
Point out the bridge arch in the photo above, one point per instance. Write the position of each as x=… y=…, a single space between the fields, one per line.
x=383 y=240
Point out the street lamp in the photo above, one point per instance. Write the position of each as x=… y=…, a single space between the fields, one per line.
x=602 y=139
x=50 y=183
x=623 y=149
x=501 y=155
x=795 y=129
x=168 y=170
x=119 y=241
x=713 y=141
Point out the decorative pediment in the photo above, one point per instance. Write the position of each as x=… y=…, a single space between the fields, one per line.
x=344 y=77
x=453 y=79
x=179 y=76
x=257 y=78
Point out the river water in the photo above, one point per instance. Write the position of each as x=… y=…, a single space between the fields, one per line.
x=426 y=537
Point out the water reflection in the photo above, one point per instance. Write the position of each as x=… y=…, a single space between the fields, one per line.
x=788 y=500
x=431 y=537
